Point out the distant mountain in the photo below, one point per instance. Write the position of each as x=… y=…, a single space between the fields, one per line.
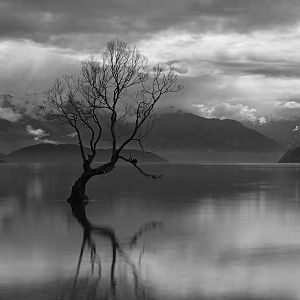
x=284 y=132
x=291 y=156
x=13 y=135
x=185 y=131
x=174 y=131
x=71 y=153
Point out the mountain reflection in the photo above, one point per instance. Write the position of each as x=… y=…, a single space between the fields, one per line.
x=90 y=233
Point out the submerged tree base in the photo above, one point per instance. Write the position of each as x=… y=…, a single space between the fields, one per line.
x=78 y=194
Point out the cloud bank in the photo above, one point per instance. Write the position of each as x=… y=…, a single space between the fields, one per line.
x=58 y=21
x=237 y=59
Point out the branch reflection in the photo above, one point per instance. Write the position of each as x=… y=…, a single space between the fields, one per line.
x=90 y=232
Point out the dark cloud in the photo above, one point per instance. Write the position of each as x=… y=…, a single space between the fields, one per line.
x=57 y=20
x=274 y=69
x=241 y=64
x=212 y=44
x=250 y=15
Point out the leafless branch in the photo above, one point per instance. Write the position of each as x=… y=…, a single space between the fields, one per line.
x=133 y=162
x=111 y=100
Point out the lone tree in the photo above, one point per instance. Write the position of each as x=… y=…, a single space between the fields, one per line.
x=110 y=101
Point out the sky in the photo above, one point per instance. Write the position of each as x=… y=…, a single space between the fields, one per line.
x=237 y=59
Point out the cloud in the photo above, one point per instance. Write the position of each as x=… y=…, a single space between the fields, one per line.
x=265 y=68
x=271 y=54
x=235 y=52
x=215 y=68
x=38 y=134
x=26 y=63
x=46 y=21
x=291 y=104
x=285 y=109
x=228 y=111
x=28 y=69
x=7 y=110
x=8 y=114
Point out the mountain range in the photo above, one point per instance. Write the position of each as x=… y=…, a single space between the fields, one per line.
x=174 y=132
x=284 y=132
x=71 y=153
x=291 y=156
x=187 y=131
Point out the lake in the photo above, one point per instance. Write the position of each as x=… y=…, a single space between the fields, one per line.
x=212 y=232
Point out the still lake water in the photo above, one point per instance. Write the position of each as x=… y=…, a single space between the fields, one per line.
x=227 y=232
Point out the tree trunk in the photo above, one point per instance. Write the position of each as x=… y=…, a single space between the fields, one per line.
x=78 y=194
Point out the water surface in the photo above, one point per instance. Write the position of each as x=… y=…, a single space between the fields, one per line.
x=229 y=232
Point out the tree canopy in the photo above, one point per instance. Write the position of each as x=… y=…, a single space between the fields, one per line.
x=111 y=100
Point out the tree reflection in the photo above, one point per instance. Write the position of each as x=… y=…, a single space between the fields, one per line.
x=90 y=232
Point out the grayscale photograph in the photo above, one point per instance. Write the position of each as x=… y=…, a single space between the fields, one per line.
x=150 y=150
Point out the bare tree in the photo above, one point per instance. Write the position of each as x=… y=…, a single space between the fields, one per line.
x=110 y=100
